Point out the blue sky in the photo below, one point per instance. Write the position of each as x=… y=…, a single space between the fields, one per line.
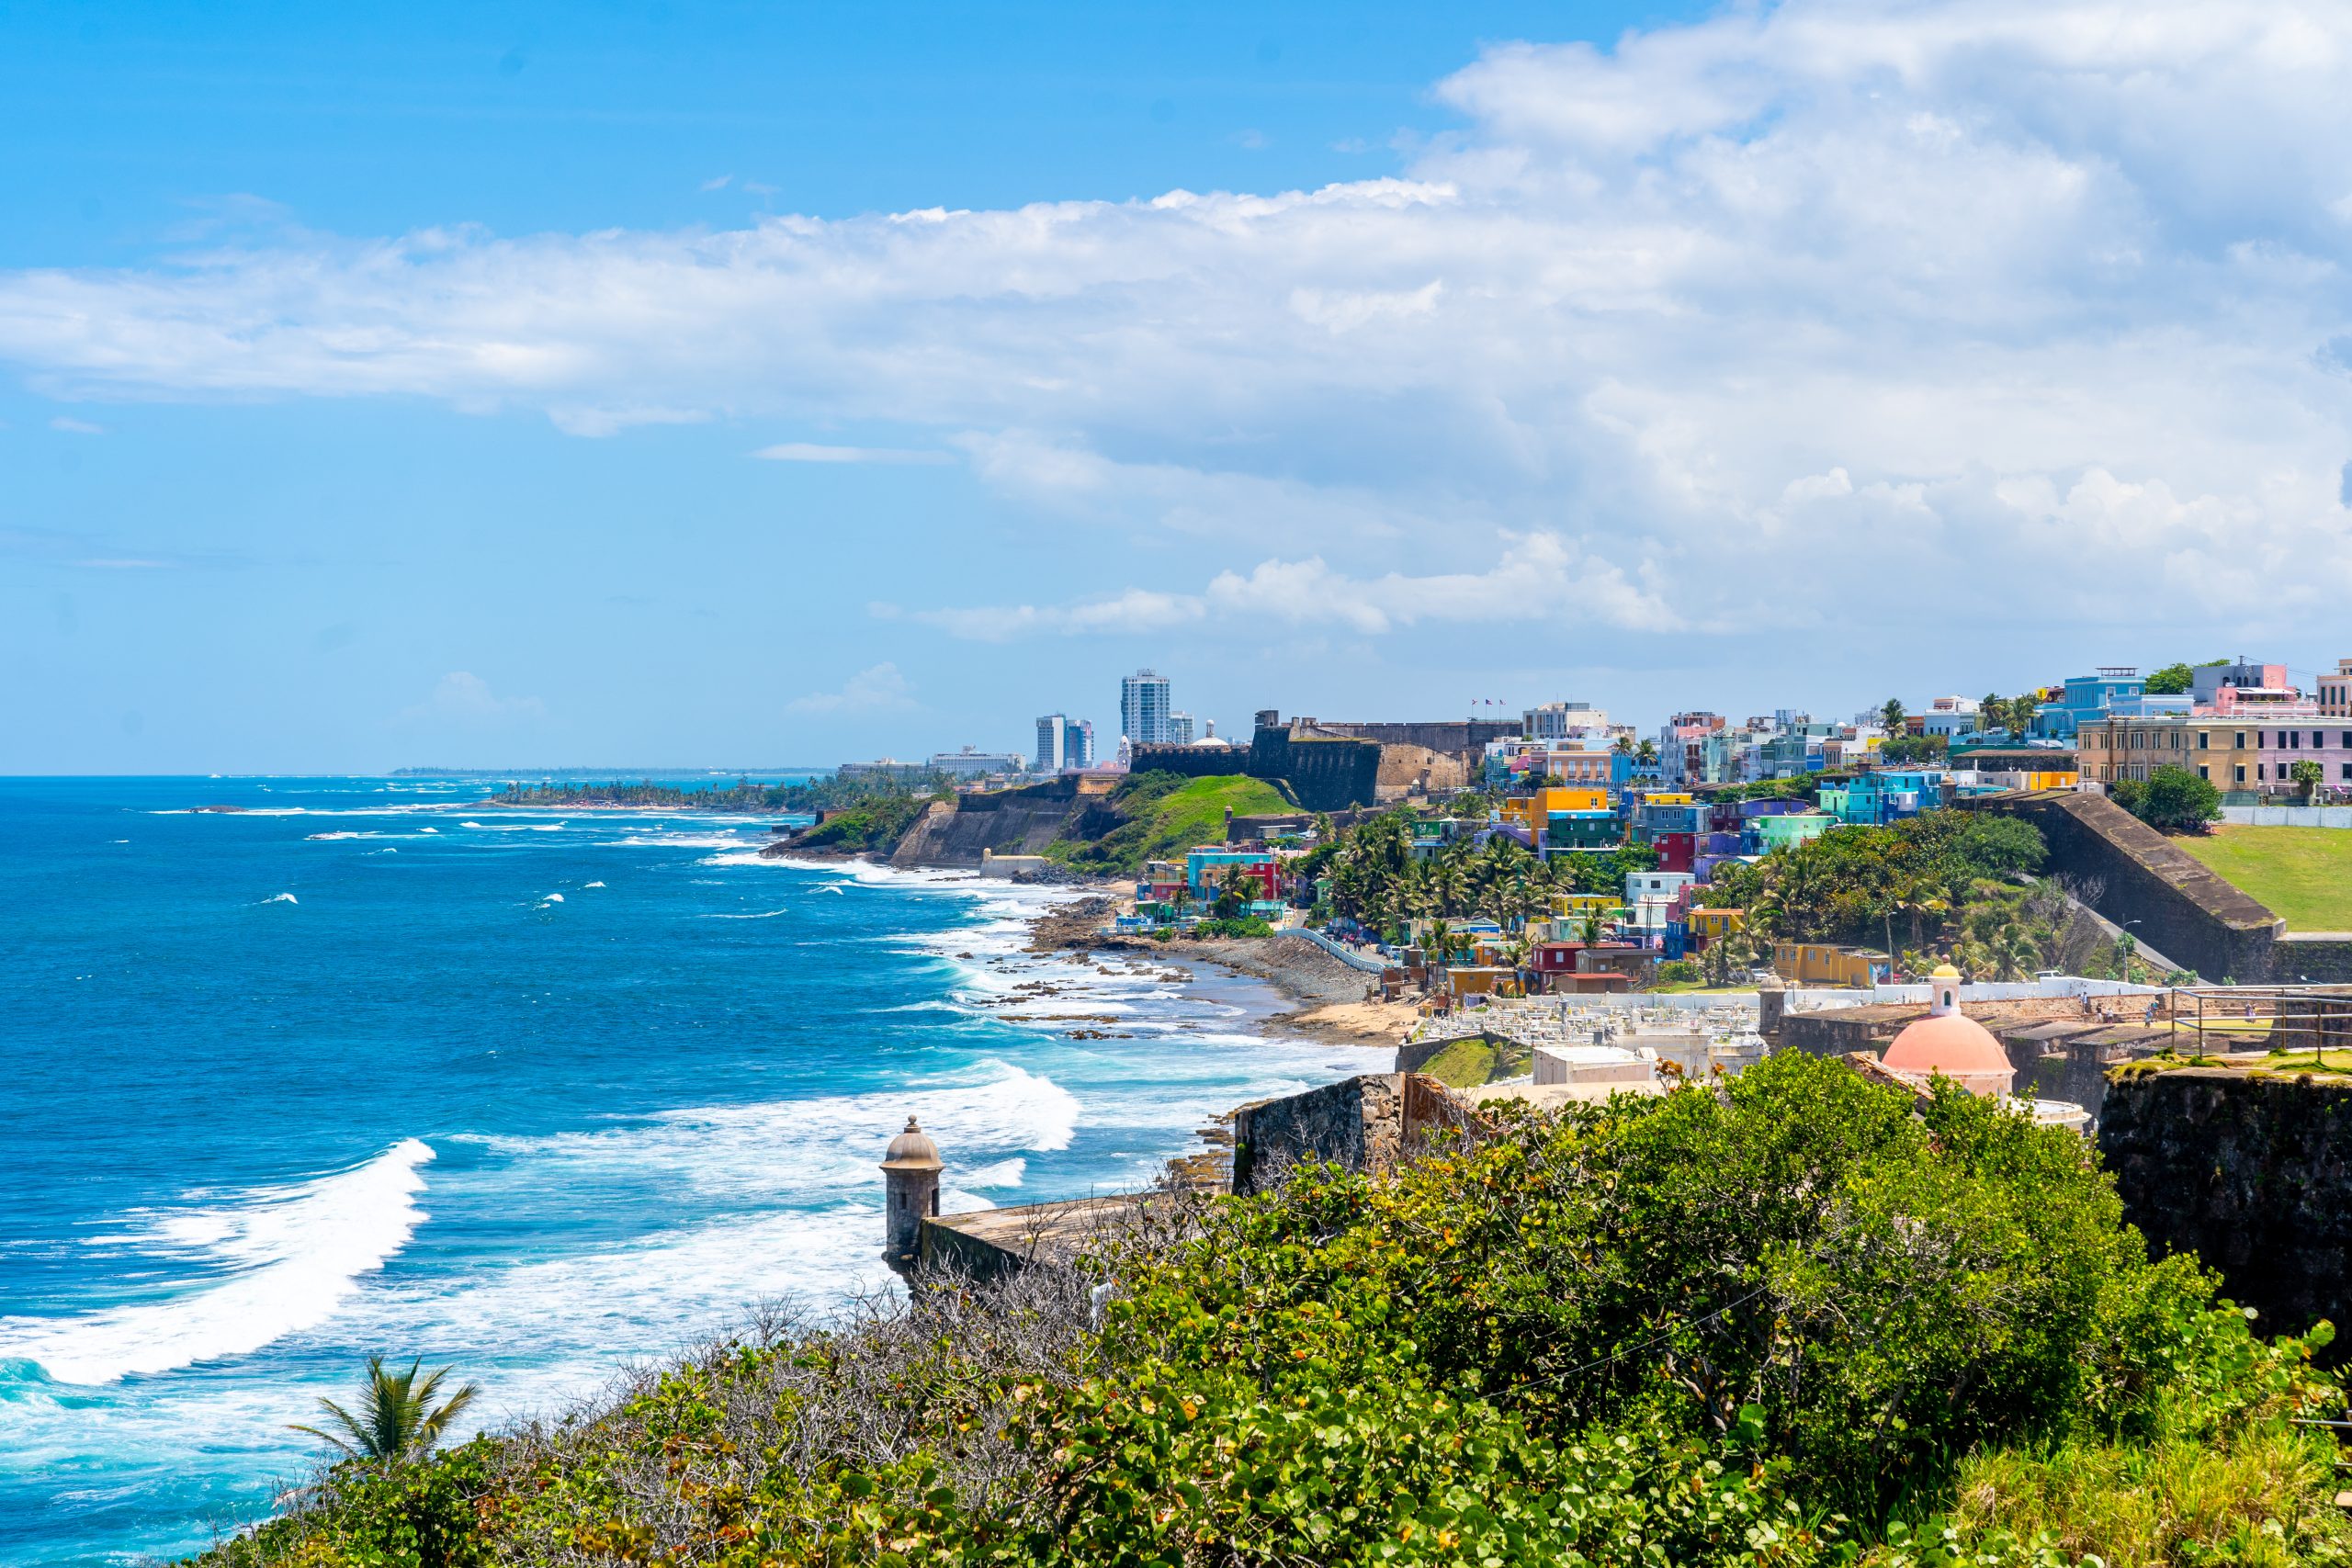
x=675 y=383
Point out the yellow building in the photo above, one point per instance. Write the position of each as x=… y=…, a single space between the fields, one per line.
x=1532 y=810
x=2221 y=750
x=1482 y=980
x=1828 y=963
x=1714 y=925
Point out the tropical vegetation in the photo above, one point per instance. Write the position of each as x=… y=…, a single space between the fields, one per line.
x=2170 y=799
x=402 y=1415
x=1939 y=884
x=1376 y=876
x=1159 y=815
x=1783 y=1320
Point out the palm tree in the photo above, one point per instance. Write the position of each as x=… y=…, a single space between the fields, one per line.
x=2013 y=952
x=1646 y=751
x=1234 y=889
x=397 y=1419
x=1890 y=717
x=1918 y=897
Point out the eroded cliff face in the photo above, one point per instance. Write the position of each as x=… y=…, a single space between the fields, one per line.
x=1010 y=822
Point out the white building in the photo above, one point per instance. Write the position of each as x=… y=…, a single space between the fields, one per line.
x=1143 y=708
x=1179 y=729
x=1064 y=742
x=967 y=763
x=1553 y=721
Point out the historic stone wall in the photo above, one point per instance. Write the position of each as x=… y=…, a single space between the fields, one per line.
x=2322 y=958
x=2251 y=1171
x=1369 y=1123
x=2175 y=904
x=1320 y=774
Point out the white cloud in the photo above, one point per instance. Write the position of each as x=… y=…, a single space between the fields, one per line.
x=1540 y=577
x=599 y=422
x=76 y=426
x=806 y=452
x=465 y=700
x=880 y=688
x=1786 y=307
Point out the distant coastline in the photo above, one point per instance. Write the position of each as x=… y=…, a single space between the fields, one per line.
x=797 y=771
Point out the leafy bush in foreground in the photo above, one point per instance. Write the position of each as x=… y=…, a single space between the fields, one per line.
x=1784 y=1322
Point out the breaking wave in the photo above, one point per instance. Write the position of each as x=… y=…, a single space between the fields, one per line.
x=291 y=1254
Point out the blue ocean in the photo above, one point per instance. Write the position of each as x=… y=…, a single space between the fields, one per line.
x=367 y=1066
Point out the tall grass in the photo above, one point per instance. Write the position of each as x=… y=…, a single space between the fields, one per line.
x=2256 y=1494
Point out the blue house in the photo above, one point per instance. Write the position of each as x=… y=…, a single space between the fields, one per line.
x=2117 y=689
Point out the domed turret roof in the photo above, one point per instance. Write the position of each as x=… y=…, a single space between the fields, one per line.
x=912 y=1150
x=1952 y=1043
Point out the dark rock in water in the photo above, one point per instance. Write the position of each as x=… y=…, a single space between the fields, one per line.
x=225 y=810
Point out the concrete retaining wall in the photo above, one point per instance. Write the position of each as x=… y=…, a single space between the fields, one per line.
x=2289 y=816
x=1340 y=951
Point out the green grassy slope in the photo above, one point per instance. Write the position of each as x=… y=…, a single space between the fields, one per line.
x=1168 y=815
x=2301 y=874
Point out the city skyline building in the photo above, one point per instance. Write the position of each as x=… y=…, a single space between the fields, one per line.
x=1143 y=708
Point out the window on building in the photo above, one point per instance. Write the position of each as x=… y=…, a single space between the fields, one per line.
x=2261 y=772
x=2347 y=770
x=2204 y=740
x=2203 y=771
x=2345 y=738
x=2239 y=745
x=2319 y=739
x=2241 y=778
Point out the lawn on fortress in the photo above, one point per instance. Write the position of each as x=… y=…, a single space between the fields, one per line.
x=2303 y=874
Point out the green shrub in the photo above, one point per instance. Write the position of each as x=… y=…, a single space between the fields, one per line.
x=1785 y=1321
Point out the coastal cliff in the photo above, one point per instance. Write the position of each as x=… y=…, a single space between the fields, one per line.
x=952 y=833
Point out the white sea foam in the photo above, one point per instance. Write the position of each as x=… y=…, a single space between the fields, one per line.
x=281 y=898
x=552 y=898
x=1003 y=1173
x=673 y=842
x=516 y=827
x=762 y=915
x=588 y=885
x=818 y=1148
x=291 y=1255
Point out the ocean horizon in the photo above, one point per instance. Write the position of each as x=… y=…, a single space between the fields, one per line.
x=364 y=1068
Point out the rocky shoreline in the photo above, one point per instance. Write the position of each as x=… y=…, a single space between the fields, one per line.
x=1335 y=1001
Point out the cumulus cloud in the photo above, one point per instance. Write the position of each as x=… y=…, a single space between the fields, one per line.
x=1540 y=577
x=465 y=700
x=879 y=689
x=2040 y=299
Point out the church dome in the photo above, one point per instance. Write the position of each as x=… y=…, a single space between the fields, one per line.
x=912 y=1150
x=1949 y=1041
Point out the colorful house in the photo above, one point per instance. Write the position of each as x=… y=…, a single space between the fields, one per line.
x=1580 y=830
x=1790 y=829
x=1828 y=963
x=1205 y=866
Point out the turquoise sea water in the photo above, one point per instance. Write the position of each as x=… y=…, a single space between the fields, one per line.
x=368 y=1067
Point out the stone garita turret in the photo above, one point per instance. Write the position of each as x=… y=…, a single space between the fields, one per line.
x=911 y=1168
